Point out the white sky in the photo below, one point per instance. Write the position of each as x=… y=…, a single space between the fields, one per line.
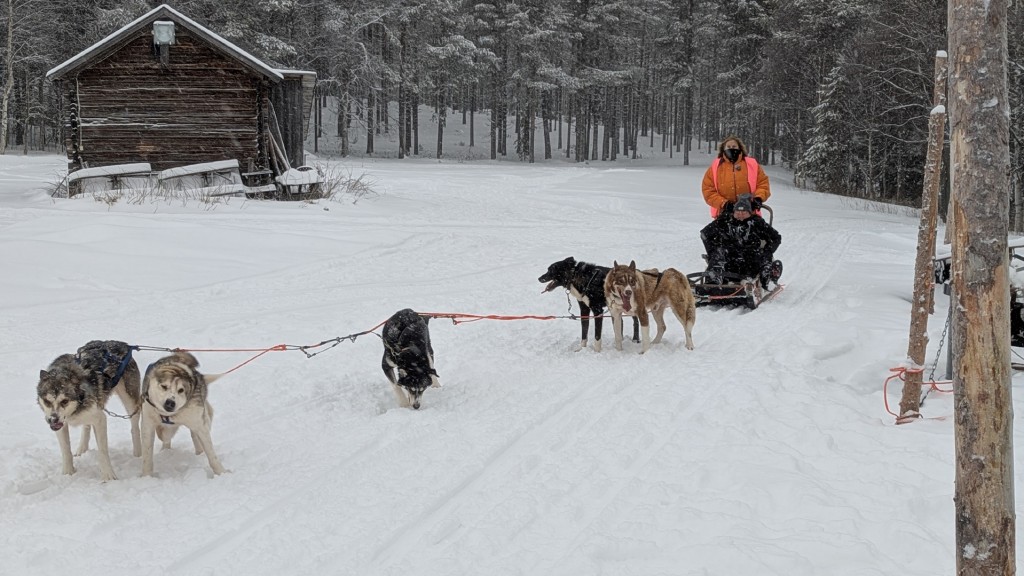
x=766 y=450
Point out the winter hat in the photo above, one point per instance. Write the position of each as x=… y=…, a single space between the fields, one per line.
x=743 y=203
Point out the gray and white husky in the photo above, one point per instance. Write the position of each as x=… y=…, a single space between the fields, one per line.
x=74 y=390
x=174 y=395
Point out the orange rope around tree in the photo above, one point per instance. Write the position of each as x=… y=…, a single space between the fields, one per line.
x=901 y=373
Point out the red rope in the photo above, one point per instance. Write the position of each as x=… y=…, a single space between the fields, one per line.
x=901 y=373
x=262 y=351
x=477 y=317
x=457 y=318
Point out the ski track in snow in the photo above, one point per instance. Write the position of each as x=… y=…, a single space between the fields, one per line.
x=733 y=458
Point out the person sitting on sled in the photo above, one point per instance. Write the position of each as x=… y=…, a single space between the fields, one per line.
x=739 y=242
x=733 y=173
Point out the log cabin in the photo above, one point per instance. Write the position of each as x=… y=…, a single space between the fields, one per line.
x=165 y=90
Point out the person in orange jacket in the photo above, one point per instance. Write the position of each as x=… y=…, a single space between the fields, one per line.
x=733 y=173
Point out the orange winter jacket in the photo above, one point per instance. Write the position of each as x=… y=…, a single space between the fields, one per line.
x=725 y=181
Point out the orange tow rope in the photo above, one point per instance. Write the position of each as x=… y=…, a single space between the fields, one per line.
x=456 y=318
x=901 y=373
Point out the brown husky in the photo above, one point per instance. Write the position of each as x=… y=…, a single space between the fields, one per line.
x=636 y=292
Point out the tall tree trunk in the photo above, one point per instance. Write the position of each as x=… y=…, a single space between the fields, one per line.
x=401 y=119
x=494 y=122
x=5 y=99
x=472 y=117
x=979 y=120
x=546 y=114
x=924 y=284
x=442 y=115
x=416 y=125
x=371 y=115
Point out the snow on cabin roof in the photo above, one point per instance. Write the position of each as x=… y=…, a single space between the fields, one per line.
x=110 y=43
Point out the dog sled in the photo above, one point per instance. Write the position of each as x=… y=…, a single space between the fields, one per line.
x=734 y=289
x=942 y=265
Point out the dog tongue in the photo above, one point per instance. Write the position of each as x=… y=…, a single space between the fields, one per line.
x=551 y=286
x=56 y=426
x=625 y=302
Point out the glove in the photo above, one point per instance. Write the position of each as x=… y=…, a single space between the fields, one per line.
x=727 y=208
x=756 y=202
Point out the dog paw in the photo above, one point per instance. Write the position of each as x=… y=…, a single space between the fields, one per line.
x=108 y=476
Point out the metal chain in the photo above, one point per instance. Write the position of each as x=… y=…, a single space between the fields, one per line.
x=121 y=416
x=938 y=353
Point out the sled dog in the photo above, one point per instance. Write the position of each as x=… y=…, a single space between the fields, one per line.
x=635 y=293
x=407 y=348
x=74 y=390
x=585 y=282
x=174 y=394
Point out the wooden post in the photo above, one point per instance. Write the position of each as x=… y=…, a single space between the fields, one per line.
x=979 y=161
x=924 y=285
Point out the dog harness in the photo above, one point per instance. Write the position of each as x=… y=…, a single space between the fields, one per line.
x=110 y=359
x=656 y=282
x=592 y=277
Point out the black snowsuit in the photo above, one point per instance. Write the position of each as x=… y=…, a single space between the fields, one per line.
x=742 y=247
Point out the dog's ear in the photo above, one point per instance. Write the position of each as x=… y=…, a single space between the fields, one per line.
x=632 y=265
x=43 y=374
x=615 y=263
x=570 y=261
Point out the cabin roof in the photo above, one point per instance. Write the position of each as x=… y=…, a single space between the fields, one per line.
x=113 y=42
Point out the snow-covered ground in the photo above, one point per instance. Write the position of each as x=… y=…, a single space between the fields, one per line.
x=766 y=450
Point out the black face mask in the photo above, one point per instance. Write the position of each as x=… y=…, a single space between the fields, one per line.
x=733 y=154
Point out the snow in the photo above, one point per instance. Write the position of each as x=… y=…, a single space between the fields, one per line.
x=766 y=450
x=300 y=176
x=113 y=170
x=192 y=169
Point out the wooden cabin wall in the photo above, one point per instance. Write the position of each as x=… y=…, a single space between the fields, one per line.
x=201 y=107
x=288 y=105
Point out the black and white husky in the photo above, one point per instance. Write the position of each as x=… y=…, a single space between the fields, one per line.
x=585 y=281
x=74 y=390
x=407 y=348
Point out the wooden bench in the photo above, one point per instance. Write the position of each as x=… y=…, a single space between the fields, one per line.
x=137 y=176
x=221 y=178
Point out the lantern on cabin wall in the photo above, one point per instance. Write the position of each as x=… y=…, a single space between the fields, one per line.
x=163 y=37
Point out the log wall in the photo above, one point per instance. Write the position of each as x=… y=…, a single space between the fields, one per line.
x=201 y=106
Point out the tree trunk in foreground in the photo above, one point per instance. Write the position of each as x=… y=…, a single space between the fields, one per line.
x=979 y=158
x=922 y=303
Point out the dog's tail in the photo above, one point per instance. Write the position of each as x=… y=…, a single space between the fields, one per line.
x=189 y=360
